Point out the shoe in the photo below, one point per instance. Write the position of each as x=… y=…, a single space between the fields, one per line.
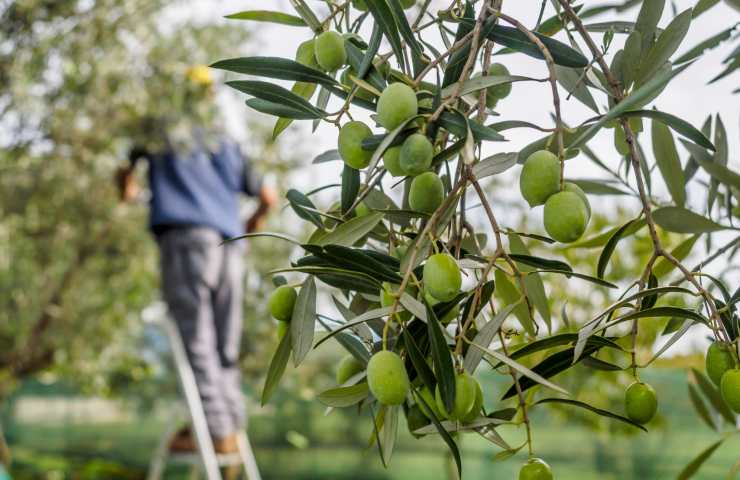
x=226 y=445
x=183 y=441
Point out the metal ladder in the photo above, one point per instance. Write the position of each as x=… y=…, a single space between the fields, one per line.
x=205 y=459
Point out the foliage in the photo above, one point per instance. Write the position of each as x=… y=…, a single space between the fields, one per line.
x=368 y=248
x=84 y=81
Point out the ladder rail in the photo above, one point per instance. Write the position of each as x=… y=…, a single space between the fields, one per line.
x=247 y=456
x=192 y=398
x=161 y=452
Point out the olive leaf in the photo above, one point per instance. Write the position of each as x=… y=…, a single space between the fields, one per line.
x=668 y=162
x=268 y=16
x=303 y=321
x=277 y=368
x=344 y=396
x=681 y=220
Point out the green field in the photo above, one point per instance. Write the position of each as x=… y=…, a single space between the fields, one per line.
x=336 y=447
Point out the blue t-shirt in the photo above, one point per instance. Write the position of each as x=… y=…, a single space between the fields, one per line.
x=199 y=188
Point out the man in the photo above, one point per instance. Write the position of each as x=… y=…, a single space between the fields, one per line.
x=195 y=178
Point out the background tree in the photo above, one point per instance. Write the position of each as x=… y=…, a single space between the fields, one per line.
x=83 y=82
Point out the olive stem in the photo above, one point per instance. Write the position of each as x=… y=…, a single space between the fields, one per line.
x=520 y=396
x=432 y=223
x=464 y=75
x=552 y=79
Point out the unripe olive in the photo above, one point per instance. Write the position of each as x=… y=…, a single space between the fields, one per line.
x=396 y=104
x=351 y=136
x=442 y=278
x=640 y=402
x=330 y=52
x=477 y=404
x=719 y=359
x=348 y=367
x=465 y=392
x=565 y=216
x=387 y=378
x=535 y=469
x=282 y=302
x=426 y=193
x=416 y=154
x=572 y=187
x=306 y=54
x=503 y=90
x=540 y=177
x=392 y=161
x=730 y=388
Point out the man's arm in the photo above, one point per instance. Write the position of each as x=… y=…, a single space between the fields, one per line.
x=128 y=189
x=268 y=199
x=253 y=186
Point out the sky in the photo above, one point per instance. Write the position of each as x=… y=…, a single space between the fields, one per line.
x=688 y=96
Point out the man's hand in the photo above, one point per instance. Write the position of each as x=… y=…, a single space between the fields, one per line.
x=268 y=199
x=128 y=189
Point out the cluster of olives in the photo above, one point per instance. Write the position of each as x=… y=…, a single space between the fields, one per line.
x=386 y=374
x=724 y=372
x=567 y=211
x=396 y=104
x=388 y=379
x=389 y=383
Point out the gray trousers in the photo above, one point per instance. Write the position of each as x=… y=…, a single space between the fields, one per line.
x=202 y=285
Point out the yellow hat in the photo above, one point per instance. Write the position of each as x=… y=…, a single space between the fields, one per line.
x=199 y=75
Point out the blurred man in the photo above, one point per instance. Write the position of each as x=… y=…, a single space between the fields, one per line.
x=196 y=176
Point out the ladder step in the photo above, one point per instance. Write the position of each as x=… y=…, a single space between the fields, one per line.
x=223 y=460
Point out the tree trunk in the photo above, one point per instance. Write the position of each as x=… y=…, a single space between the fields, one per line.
x=4 y=450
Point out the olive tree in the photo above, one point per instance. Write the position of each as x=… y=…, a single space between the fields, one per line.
x=82 y=82
x=421 y=297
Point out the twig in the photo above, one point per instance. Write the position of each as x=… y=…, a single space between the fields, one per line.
x=468 y=63
x=430 y=225
x=520 y=396
x=455 y=47
x=553 y=86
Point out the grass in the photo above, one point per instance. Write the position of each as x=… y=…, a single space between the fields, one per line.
x=121 y=451
x=336 y=447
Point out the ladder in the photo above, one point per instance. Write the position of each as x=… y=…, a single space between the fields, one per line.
x=205 y=458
